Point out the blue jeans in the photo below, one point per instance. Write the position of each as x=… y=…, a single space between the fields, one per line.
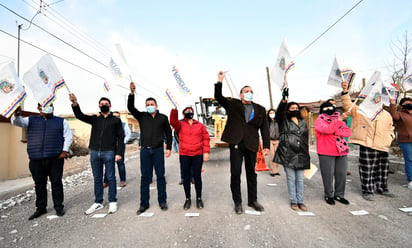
x=294 y=179
x=152 y=158
x=120 y=166
x=98 y=159
x=407 y=156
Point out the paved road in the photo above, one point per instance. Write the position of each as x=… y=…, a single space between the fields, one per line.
x=217 y=225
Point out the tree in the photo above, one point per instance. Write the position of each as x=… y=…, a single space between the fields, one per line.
x=401 y=50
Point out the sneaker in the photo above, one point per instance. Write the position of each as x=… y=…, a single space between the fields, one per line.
x=368 y=197
x=329 y=200
x=199 y=203
x=388 y=194
x=163 y=206
x=141 y=210
x=410 y=185
x=93 y=208
x=342 y=200
x=112 y=207
x=60 y=212
x=122 y=184
x=187 y=204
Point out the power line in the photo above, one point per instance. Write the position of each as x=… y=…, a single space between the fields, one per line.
x=324 y=32
x=65 y=42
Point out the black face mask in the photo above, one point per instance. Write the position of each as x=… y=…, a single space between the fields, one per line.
x=189 y=115
x=294 y=113
x=104 y=109
x=407 y=106
x=329 y=111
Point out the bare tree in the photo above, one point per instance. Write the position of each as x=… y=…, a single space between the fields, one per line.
x=401 y=50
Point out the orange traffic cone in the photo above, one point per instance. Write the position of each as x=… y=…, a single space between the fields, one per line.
x=260 y=160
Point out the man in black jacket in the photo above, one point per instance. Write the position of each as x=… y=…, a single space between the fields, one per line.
x=245 y=119
x=107 y=132
x=154 y=128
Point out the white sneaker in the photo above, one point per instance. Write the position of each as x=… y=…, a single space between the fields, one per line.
x=112 y=207
x=94 y=208
x=410 y=185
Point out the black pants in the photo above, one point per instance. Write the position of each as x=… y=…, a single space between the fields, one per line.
x=192 y=168
x=237 y=154
x=40 y=170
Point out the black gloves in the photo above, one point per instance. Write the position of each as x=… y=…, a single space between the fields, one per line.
x=285 y=93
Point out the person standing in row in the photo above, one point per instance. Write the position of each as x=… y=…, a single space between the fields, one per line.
x=48 y=142
x=106 y=134
x=274 y=142
x=374 y=139
x=154 y=130
x=332 y=149
x=194 y=148
x=293 y=149
x=403 y=123
x=245 y=119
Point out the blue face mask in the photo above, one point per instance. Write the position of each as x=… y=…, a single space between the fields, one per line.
x=47 y=110
x=248 y=96
x=151 y=109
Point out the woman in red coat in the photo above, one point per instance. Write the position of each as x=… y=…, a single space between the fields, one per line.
x=194 y=148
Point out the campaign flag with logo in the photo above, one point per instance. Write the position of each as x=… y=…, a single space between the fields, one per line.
x=115 y=70
x=389 y=91
x=283 y=65
x=180 y=84
x=372 y=105
x=407 y=79
x=44 y=79
x=12 y=92
x=337 y=75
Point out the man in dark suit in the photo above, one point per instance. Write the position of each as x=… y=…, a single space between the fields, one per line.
x=245 y=119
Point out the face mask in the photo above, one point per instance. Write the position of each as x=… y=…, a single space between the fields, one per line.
x=47 y=110
x=248 y=96
x=407 y=106
x=294 y=113
x=272 y=116
x=189 y=115
x=329 y=111
x=150 y=109
x=104 y=109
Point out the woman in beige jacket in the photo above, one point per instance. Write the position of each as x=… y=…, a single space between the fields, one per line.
x=374 y=139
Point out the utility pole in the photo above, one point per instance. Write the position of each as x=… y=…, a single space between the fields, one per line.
x=270 y=89
x=18 y=48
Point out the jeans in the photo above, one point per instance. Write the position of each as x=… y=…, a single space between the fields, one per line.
x=407 y=156
x=40 y=170
x=120 y=166
x=149 y=158
x=98 y=159
x=192 y=164
x=294 y=179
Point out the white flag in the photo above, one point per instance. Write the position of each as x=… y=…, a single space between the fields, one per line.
x=337 y=75
x=407 y=79
x=283 y=65
x=44 y=79
x=388 y=92
x=372 y=103
x=12 y=92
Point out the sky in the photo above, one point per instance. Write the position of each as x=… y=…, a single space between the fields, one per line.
x=201 y=38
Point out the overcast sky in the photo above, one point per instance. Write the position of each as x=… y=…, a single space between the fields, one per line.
x=201 y=38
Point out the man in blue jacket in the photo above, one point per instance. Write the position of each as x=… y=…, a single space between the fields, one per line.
x=48 y=142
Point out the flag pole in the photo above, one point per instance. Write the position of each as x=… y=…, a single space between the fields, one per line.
x=67 y=87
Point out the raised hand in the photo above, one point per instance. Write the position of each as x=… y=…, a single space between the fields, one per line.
x=132 y=88
x=73 y=98
x=220 y=76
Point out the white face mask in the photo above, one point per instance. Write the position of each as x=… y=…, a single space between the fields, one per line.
x=272 y=116
x=248 y=96
x=47 y=110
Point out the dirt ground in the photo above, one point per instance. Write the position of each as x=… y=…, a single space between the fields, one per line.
x=217 y=225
